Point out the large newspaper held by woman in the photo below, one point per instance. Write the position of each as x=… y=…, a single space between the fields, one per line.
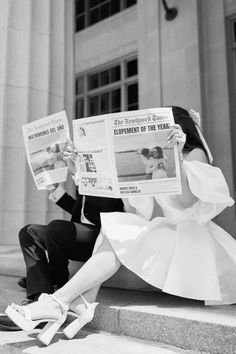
x=124 y=154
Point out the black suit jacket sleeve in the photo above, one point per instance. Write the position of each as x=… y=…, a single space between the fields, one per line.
x=67 y=203
x=71 y=205
x=93 y=206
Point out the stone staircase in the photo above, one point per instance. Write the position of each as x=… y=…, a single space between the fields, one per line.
x=147 y=316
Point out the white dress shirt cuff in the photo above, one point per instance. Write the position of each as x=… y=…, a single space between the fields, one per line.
x=75 y=178
x=57 y=194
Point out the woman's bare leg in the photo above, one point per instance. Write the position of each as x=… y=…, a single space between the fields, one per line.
x=87 y=281
x=90 y=295
x=100 y=267
x=79 y=306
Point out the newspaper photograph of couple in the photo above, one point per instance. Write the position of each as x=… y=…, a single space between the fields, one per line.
x=144 y=157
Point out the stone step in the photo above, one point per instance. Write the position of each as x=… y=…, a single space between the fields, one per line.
x=11 y=261
x=160 y=318
x=151 y=316
x=86 y=342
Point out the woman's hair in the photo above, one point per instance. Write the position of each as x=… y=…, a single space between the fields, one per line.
x=159 y=152
x=156 y=152
x=182 y=117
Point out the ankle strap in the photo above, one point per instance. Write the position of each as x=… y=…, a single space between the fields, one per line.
x=84 y=300
x=63 y=306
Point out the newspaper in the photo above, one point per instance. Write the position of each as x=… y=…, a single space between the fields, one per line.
x=124 y=154
x=45 y=140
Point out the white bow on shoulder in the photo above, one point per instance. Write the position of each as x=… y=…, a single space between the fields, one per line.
x=197 y=120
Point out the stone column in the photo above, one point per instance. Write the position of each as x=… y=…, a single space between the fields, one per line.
x=149 y=55
x=215 y=96
x=35 y=80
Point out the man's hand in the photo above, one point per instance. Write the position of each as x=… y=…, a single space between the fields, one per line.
x=52 y=187
x=70 y=155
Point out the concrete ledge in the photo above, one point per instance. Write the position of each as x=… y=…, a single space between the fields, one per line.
x=123 y=279
x=163 y=318
x=87 y=342
x=146 y=315
x=11 y=261
x=160 y=318
x=12 y=264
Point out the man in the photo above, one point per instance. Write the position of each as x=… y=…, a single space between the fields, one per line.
x=48 y=248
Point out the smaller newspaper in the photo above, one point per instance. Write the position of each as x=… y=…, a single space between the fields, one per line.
x=124 y=154
x=45 y=141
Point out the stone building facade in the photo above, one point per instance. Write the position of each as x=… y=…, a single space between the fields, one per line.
x=132 y=58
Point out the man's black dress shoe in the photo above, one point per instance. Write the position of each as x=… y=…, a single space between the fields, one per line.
x=7 y=325
x=22 y=282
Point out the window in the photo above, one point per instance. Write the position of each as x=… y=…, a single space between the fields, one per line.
x=108 y=90
x=89 y=12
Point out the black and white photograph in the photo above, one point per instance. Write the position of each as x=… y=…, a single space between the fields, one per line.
x=50 y=158
x=118 y=226
x=144 y=157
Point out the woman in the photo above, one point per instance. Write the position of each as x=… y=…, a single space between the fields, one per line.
x=155 y=162
x=183 y=252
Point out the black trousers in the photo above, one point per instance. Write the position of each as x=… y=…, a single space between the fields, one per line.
x=47 y=250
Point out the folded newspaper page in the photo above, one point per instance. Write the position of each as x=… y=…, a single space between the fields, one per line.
x=124 y=154
x=45 y=140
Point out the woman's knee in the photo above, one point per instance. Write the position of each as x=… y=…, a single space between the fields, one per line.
x=102 y=244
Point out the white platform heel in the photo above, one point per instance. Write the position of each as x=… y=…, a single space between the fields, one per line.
x=81 y=320
x=24 y=319
x=49 y=331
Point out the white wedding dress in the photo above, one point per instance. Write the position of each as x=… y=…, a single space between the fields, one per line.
x=183 y=252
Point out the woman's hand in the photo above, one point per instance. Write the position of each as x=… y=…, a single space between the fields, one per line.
x=70 y=156
x=176 y=136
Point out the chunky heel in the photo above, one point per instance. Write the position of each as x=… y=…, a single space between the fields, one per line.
x=81 y=320
x=23 y=319
x=49 y=331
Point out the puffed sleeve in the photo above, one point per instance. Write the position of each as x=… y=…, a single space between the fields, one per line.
x=143 y=206
x=208 y=184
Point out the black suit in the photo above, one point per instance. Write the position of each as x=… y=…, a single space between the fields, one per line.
x=63 y=240
x=93 y=206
